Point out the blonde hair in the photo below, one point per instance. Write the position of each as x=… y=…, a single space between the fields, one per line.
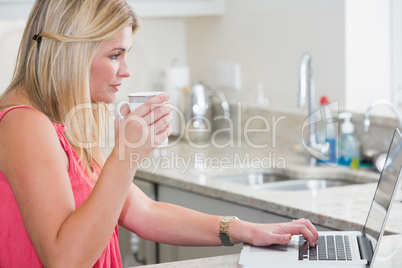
x=53 y=67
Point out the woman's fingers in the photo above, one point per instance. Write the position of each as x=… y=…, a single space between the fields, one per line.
x=162 y=123
x=154 y=115
x=281 y=233
x=125 y=110
x=152 y=104
x=158 y=113
x=305 y=228
x=280 y=239
x=154 y=110
x=162 y=135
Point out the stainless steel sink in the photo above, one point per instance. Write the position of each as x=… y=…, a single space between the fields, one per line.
x=254 y=178
x=279 y=182
x=299 y=185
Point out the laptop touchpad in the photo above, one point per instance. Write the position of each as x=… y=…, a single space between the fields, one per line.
x=280 y=248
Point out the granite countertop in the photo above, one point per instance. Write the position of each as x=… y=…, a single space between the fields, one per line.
x=225 y=261
x=197 y=170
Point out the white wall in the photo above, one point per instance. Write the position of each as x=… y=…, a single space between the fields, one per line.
x=10 y=36
x=397 y=51
x=268 y=38
x=155 y=45
x=349 y=40
x=368 y=52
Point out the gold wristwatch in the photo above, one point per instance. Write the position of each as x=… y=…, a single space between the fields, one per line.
x=224 y=230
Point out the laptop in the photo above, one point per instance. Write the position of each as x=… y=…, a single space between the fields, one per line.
x=338 y=248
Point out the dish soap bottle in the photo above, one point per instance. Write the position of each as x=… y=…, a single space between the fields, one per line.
x=349 y=146
x=328 y=133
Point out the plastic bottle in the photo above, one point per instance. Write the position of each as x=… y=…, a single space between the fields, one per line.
x=328 y=131
x=349 y=145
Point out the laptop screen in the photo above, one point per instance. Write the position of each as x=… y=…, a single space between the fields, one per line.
x=385 y=190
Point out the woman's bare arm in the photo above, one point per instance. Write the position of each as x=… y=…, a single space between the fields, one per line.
x=176 y=225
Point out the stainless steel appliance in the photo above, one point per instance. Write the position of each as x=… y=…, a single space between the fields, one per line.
x=200 y=115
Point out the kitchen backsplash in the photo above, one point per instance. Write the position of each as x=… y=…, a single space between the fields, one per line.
x=278 y=128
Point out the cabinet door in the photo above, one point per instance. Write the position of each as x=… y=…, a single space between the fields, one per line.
x=207 y=205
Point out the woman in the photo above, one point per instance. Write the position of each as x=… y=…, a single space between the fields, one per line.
x=61 y=200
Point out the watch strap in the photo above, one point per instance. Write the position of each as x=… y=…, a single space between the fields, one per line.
x=224 y=230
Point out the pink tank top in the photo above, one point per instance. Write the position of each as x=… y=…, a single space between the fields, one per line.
x=16 y=249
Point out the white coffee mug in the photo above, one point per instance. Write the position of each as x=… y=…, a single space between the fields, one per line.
x=136 y=100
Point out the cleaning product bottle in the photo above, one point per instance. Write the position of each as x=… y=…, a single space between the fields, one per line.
x=349 y=145
x=328 y=133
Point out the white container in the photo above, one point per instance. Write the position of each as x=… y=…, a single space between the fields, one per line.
x=176 y=81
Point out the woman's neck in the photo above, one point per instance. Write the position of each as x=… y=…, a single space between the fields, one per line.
x=16 y=97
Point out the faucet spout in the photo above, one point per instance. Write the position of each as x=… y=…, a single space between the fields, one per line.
x=366 y=122
x=223 y=100
x=307 y=94
x=306 y=80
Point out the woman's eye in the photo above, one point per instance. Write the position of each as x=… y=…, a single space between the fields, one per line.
x=115 y=56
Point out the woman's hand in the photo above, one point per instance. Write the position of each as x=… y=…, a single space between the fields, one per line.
x=139 y=132
x=268 y=234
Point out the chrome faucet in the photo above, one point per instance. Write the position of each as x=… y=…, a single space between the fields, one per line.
x=366 y=122
x=306 y=84
x=224 y=102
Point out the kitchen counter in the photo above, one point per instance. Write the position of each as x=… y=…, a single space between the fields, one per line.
x=196 y=170
x=266 y=141
x=225 y=261
x=388 y=256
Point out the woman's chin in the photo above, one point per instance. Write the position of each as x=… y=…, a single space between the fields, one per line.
x=107 y=100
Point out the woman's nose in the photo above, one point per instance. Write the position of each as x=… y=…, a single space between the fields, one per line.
x=124 y=70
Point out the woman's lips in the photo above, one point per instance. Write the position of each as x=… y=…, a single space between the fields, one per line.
x=116 y=87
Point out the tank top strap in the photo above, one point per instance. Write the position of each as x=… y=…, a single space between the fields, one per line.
x=14 y=107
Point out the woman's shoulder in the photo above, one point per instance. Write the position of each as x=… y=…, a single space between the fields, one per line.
x=15 y=108
x=25 y=125
x=23 y=116
x=27 y=135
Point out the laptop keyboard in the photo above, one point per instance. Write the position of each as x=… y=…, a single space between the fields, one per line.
x=330 y=247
